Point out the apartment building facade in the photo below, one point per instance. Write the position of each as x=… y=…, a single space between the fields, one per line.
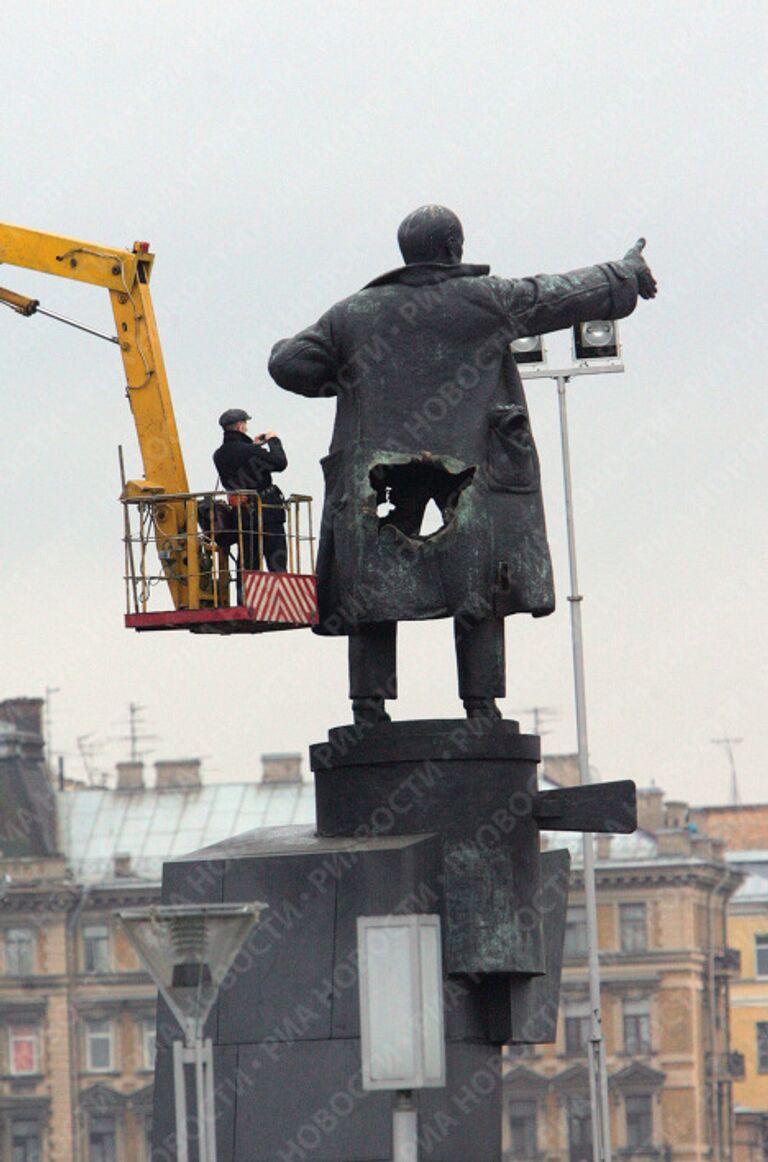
x=77 y=1013
x=665 y=968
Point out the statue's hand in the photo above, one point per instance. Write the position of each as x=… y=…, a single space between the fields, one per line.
x=646 y=283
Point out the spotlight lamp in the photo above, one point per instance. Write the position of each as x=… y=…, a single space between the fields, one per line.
x=529 y=349
x=597 y=339
x=188 y=950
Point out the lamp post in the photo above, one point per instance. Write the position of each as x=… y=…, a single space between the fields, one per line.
x=188 y=949
x=401 y=1015
x=596 y=351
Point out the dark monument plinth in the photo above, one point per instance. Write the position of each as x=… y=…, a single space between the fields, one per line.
x=414 y=817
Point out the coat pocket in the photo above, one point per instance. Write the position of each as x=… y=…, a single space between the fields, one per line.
x=333 y=466
x=512 y=464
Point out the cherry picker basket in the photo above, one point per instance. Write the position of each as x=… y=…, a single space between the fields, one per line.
x=185 y=555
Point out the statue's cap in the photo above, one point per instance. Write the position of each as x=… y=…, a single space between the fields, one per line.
x=232 y=416
x=426 y=234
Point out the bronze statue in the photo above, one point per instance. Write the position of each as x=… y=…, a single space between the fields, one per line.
x=430 y=406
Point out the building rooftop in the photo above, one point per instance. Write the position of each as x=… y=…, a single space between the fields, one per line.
x=99 y=824
x=752 y=890
x=623 y=848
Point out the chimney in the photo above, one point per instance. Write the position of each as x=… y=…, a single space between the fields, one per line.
x=171 y=773
x=650 y=808
x=26 y=716
x=281 y=768
x=673 y=841
x=121 y=864
x=562 y=769
x=676 y=813
x=130 y=776
x=703 y=846
x=604 y=846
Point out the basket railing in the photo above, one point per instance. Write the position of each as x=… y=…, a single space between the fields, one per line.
x=219 y=534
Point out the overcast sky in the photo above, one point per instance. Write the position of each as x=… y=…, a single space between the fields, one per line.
x=268 y=152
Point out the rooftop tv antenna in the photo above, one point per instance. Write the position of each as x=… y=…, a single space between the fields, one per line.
x=540 y=715
x=728 y=744
x=134 y=735
x=88 y=745
x=48 y=724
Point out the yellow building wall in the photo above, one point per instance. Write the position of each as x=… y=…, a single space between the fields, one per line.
x=749 y=1006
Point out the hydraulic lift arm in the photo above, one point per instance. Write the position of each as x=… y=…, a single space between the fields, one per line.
x=125 y=275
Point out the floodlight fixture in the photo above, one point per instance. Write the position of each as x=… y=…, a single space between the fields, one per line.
x=596 y=339
x=529 y=349
x=402 y=1030
x=188 y=949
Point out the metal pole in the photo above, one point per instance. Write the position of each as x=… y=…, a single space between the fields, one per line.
x=209 y=1113
x=200 y=1101
x=405 y=1126
x=598 y=1074
x=180 y=1102
x=78 y=326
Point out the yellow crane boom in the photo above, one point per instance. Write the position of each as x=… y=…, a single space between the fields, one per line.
x=125 y=274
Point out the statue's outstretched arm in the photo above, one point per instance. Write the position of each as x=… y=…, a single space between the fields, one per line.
x=552 y=302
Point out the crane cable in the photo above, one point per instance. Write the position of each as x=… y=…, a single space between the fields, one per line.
x=32 y=307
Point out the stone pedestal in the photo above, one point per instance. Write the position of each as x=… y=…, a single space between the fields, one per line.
x=474 y=783
x=286 y=1027
x=416 y=817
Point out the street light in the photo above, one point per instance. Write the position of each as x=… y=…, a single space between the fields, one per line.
x=530 y=349
x=598 y=339
x=597 y=350
x=401 y=1015
x=188 y=949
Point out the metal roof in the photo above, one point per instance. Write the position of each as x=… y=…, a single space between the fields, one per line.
x=624 y=848
x=153 y=825
x=754 y=888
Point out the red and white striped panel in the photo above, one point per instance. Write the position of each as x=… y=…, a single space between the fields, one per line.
x=285 y=598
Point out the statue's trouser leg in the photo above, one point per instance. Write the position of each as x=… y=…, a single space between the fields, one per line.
x=480 y=663
x=372 y=669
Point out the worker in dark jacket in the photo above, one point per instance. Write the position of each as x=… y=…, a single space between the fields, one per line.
x=244 y=464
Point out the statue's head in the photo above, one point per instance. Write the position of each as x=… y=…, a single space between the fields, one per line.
x=431 y=234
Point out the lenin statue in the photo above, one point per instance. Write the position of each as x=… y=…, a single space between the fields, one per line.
x=430 y=406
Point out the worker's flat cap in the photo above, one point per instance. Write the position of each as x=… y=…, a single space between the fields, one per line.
x=232 y=416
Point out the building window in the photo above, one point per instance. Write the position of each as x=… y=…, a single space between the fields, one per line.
x=23 y=1049
x=25 y=1141
x=149 y=1042
x=98 y=1046
x=18 y=951
x=522 y=1128
x=579 y=1129
x=637 y=1026
x=96 y=948
x=761 y=954
x=762 y=1046
x=639 y=1121
x=633 y=933
x=575 y=932
x=102 y=1140
x=577 y=1027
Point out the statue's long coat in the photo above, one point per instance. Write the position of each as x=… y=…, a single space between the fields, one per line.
x=420 y=365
